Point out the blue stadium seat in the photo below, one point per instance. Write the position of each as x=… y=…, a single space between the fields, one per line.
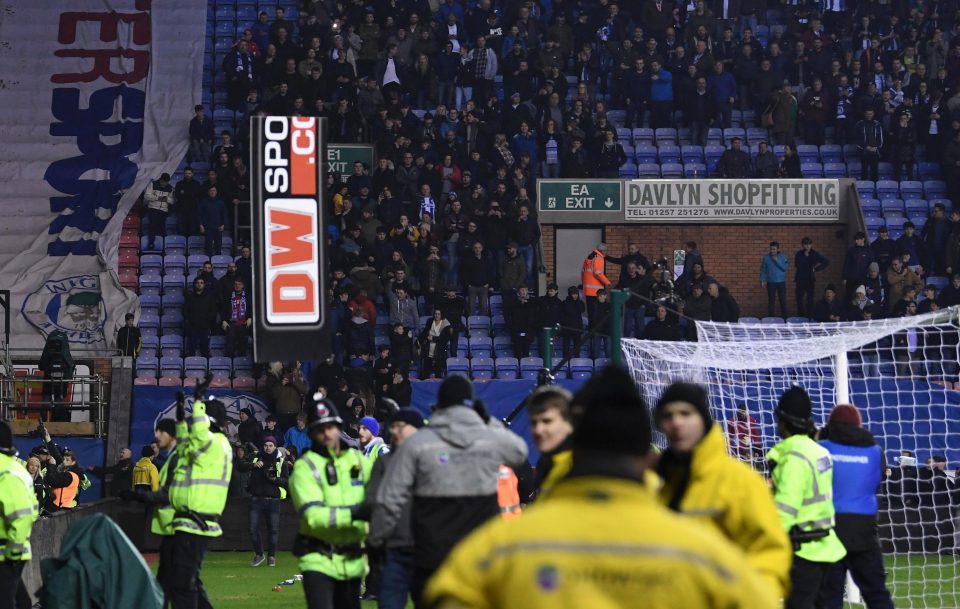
x=929 y=170
x=243 y=363
x=834 y=170
x=171 y=366
x=888 y=189
x=874 y=222
x=934 y=189
x=691 y=154
x=643 y=135
x=714 y=137
x=666 y=135
x=851 y=152
x=507 y=368
x=648 y=170
x=581 y=368
x=147 y=366
x=798 y=320
x=149 y=304
x=671 y=170
x=481 y=346
x=624 y=135
x=530 y=367
x=220 y=363
x=808 y=153
x=645 y=154
x=628 y=171
x=458 y=365
x=755 y=135
x=217 y=345
x=911 y=189
x=668 y=153
x=481 y=368
x=175 y=244
x=917 y=206
x=811 y=170
x=866 y=188
x=772 y=321
x=893 y=205
x=479 y=324
x=831 y=153
x=502 y=346
x=694 y=170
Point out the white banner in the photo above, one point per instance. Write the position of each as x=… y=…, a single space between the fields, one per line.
x=732 y=201
x=97 y=96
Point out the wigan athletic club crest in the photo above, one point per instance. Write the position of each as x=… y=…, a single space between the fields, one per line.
x=72 y=305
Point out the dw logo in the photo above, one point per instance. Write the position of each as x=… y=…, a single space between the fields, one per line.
x=72 y=305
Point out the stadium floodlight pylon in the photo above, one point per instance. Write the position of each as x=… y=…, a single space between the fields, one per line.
x=901 y=373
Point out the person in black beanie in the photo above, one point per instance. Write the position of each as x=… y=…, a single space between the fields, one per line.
x=599 y=525
x=802 y=476
x=448 y=470
x=704 y=482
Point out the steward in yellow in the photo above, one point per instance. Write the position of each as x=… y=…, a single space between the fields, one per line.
x=145 y=474
x=328 y=488
x=599 y=539
x=198 y=494
x=702 y=481
x=802 y=473
x=18 y=512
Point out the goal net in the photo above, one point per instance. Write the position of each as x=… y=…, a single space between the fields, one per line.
x=900 y=373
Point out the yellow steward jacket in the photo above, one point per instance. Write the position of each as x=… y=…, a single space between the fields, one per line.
x=591 y=275
x=145 y=473
x=596 y=542
x=735 y=500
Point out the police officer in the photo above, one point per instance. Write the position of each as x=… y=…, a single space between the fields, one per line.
x=802 y=473
x=328 y=488
x=198 y=494
x=18 y=512
x=857 y=473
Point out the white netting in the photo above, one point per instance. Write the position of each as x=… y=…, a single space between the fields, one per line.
x=899 y=372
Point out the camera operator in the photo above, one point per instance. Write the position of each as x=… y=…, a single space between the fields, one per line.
x=56 y=362
x=284 y=390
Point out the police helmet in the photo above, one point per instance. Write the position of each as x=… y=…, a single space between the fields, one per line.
x=322 y=411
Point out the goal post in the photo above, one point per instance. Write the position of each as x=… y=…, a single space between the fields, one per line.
x=902 y=373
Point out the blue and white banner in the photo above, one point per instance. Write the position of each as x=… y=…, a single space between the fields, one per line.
x=97 y=96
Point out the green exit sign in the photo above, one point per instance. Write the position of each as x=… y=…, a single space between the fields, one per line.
x=341 y=157
x=579 y=195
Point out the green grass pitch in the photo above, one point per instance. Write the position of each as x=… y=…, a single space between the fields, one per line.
x=917 y=581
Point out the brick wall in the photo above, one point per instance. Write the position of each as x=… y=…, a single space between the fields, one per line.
x=731 y=254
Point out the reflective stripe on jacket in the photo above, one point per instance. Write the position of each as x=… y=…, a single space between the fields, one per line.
x=323 y=489
x=591 y=276
x=202 y=477
x=508 y=495
x=18 y=510
x=575 y=548
x=732 y=498
x=803 y=491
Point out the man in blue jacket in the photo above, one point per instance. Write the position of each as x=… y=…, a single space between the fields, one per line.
x=773 y=276
x=808 y=263
x=858 y=467
x=723 y=89
x=661 y=96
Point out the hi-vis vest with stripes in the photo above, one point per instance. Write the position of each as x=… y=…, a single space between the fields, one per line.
x=202 y=477
x=508 y=496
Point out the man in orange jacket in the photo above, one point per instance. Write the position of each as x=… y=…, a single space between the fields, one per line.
x=593 y=279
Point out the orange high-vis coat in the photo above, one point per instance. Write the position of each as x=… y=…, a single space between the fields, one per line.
x=507 y=494
x=591 y=276
x=63 y=497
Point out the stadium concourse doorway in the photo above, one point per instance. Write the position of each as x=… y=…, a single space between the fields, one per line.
x=572 y=244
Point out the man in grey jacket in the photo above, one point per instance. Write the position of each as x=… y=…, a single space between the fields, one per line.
x=449 y=470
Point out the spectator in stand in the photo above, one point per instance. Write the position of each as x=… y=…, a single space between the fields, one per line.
x=199 y=317
x=129 y=340
x=662 y=327
x=808 y=263
x=477 y=275
x=903 y=141
x=899 y=280
x=773 y=277
x=856 y=263
x=734 y=162
x=859 y=305
x=285 y=388
x=633 y=311
x=828 y=308
x=610 y=156
x=571 y=321
x=187 y=195
x=868 y=136
x=696 y=307
x=159 y=199
x=523 y=322
x=765 y=164
x=297 y=436
x=783 y=110
x=661 y=95
x=213 y=219
x=815 y=109
x=201 y=136
x=698 y=106
x=884 y=249
x=433 y=340
x=249 y=432
x=936 y=234
x=120 y=473
x=403 y=310
x=526 y=234
x=237 y=316
x=912 y=249
x=790 y=164
x=723 y=90
x=724 y=307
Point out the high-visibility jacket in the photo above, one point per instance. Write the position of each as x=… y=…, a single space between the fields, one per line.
x=65 y=497
x=162 y=521
x=508 y=495
x=596 y=542
x=591 y=276
x=278 y=468
x=324 y=487
x=200 y=482
x=145 y=474
x=18 y=510
x=803 y=491
x=729 y=496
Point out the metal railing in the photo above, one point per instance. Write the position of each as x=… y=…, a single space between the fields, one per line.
x=23 y=395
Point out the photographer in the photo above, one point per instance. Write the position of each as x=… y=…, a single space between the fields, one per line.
x=284 y=390
x=269 y=472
